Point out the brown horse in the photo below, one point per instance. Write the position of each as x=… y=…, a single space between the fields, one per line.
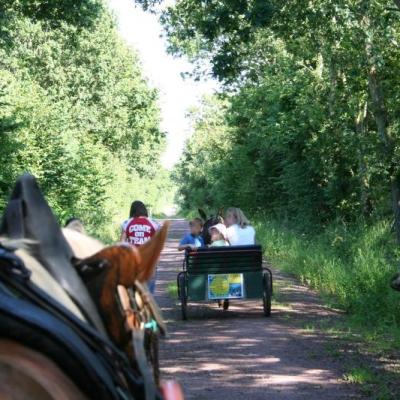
x=117 y=265
x=82 y=275
x=28 y=374
x=25 y=372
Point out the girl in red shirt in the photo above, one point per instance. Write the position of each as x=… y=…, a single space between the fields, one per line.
x=138 y=229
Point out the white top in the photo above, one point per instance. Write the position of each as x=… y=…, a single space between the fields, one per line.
x=238 y=236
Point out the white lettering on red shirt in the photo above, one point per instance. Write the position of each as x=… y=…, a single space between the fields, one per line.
x=139 y=230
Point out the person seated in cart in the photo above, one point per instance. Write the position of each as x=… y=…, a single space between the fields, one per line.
x=219 y=239
x=239 y=231
x=219 y=236
x=193 y=239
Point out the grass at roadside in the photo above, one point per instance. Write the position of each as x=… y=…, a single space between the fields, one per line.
x=351 y=269
x=360 y=375
x=373 y=384
x=371 y=359
x=172 y=290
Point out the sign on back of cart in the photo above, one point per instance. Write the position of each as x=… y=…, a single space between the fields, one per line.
x=225 y=286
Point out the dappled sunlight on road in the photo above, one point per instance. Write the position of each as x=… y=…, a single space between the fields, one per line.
x=239 y=353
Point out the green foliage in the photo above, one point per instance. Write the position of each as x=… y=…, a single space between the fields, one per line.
x=221 y=31
x=360 y=376
x=172 y=290
x=195 y=176
x=305 y=131
x=350 y=265
x=76 y=112
x=310 y=116
x=80 y=13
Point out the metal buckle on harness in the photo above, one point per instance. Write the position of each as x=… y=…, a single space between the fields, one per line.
x=137 y=342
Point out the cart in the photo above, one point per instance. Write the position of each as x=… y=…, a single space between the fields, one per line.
x=223 y=274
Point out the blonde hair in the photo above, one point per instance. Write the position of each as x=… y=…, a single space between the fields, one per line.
x=239 y=216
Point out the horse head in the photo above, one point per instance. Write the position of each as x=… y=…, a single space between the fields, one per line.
x=117 y=265
x=209 y=222
x=78 y=271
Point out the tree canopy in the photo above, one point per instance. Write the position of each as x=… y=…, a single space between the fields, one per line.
x=309 y=114
x=303 y=136
x=76 y=111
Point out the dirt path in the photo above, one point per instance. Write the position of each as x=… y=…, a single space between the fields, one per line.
x=240 y=354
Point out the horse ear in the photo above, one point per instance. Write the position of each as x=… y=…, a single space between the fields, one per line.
x=150 y=252
x=202 y=214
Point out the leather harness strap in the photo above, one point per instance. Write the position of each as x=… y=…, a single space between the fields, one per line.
x=15 y=276
x=29 y=216
x=152 y=306
x=126 y=308
x=137 y=333
x=141 y=359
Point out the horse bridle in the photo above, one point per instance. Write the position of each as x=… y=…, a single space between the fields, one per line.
x=144 y=322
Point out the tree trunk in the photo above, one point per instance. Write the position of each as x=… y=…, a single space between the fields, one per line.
x=381 y=120
x=396 y=206
x=361 y=127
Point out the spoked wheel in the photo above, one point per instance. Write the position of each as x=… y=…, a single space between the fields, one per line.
x=267 y=294
x=182 y=295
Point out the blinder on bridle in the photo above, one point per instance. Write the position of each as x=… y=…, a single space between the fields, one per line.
x=138 y=300
x=144 y=322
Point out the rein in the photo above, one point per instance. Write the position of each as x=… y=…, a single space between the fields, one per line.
x=15 y=285
x=144 y=323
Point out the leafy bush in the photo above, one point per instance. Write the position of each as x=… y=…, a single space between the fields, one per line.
x=350 y=265
x=76 y=111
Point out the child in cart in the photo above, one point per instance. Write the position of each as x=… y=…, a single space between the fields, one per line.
x=193 y=239
x=218 y=236
x=219 y=239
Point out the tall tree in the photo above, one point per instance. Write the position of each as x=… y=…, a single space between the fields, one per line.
x=76 y=111
x=322 y=76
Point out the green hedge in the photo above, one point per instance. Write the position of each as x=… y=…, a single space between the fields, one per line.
x=351 y=267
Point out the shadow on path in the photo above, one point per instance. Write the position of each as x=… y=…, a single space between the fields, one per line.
x=240 y=354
